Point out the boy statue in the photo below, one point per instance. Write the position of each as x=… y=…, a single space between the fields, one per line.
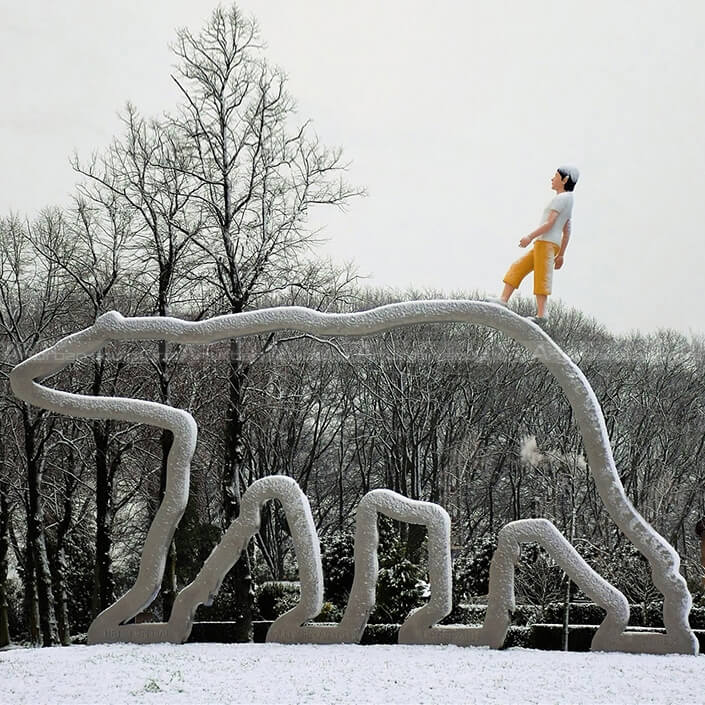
x=550 y=243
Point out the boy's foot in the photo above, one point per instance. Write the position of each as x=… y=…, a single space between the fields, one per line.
x=497 y=300
x=540 y=321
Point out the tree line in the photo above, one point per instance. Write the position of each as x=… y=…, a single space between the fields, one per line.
x=206 y=212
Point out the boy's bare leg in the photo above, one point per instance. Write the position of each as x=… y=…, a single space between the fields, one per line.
x=541 y=305
x=508 y=291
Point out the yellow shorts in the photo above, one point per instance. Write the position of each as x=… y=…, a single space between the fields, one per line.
x=540 y=260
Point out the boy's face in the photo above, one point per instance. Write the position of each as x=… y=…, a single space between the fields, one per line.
x=558 y=182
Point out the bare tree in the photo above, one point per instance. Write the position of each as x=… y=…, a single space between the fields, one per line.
x=33 y=305
x=6 y=509
x=143 y=174
x=90 y=254
x=257 y=179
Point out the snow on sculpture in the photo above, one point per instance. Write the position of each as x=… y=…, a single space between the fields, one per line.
x=500 y=601
x=107 y=627
x=362 y=594
x=110 y=625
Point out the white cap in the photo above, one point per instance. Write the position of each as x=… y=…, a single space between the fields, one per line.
x=570 y=171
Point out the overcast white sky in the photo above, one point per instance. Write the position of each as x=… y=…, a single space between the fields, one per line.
x=454 y=114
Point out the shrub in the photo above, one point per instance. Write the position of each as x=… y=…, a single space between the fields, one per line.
x=625 y=568
x=636 y=615
x=525 y=615
x=380 y=634
x=276 y=597
x=538 y=579
x=194 y=541
x=697 y=590
x=580 y=613
x=329 y=613
x=79 y=577
x=338 y=560
x=466 y=614
x=519 y=637
x=400 y=584
x=697 y=617
x=471 y=570
x=400 y=589
x=653 y=614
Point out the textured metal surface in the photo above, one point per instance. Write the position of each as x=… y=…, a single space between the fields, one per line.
x=663 y=560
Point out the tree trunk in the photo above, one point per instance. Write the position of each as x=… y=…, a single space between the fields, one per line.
x=103 y=580
x=45 y=595
x=62 y=601
x=568 y=582
x=58 y=565
x=36 y=539
x=4 y=566
x=700 y=533
x=240 y=580
x=169 y=585
x=4 y=621
x=31 y=604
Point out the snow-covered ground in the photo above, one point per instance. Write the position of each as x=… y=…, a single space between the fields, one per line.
x=273 y=673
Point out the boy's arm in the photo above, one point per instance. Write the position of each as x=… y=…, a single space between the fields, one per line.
x=564 y=245
x=526 y=240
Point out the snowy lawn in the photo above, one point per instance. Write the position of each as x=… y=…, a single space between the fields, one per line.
x=273 y=673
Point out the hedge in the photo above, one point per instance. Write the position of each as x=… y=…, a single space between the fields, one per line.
x=580 y=613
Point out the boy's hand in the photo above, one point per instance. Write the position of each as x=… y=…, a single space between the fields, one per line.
x=558 y=262
x=525 y=241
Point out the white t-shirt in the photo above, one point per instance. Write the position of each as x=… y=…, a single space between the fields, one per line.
x=563 y=203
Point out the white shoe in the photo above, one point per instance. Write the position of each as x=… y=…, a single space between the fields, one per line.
x=497 y=300
x=540 y=321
